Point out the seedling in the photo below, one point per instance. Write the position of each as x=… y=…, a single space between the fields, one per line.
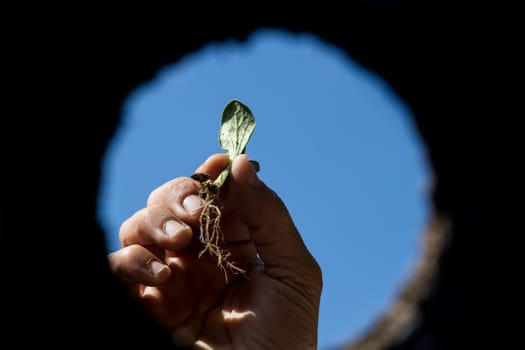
x=237 y=125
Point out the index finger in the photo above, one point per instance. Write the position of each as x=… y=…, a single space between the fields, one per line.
x=155 y=226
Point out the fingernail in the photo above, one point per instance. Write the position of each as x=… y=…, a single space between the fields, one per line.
x=156 y=267
x=172 y=228
x=192 y=204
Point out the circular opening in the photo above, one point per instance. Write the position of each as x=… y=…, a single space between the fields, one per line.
x=333 y=140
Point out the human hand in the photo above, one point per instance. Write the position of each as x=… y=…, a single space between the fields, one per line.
x=274 y=306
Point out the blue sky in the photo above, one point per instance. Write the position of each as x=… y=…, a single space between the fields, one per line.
x=333 y=140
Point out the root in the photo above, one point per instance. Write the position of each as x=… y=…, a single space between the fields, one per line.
x=211 y=235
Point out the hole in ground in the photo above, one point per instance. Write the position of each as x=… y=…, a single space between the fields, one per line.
x=333 y=140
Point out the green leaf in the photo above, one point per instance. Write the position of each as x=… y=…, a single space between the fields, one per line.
x=237 y=126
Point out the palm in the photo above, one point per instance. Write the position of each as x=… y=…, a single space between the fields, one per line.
x=247 y=317
x=235 y=315
x=227 y=310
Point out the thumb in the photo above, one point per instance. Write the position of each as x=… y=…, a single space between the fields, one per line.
x=270 y=225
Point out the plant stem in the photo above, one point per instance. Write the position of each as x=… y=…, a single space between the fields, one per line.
x=219 y=181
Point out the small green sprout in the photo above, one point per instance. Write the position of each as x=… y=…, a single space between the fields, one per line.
x=237 y=125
